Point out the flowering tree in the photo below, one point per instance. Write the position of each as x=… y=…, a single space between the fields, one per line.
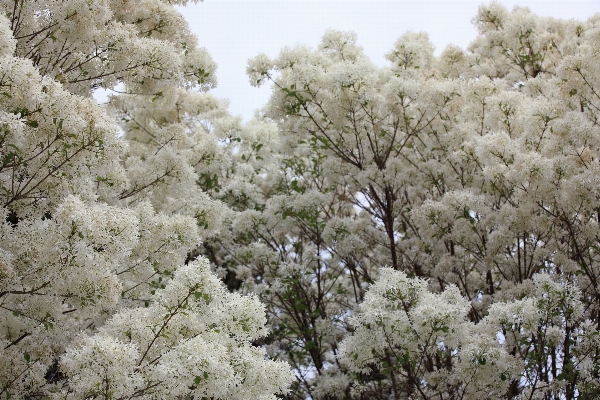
x=475 y=172
x=99 y=296
x=423 y=230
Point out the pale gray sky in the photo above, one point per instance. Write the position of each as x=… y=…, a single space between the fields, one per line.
x=235 y=30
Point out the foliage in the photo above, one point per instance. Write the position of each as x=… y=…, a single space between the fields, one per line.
x=100 y=294
x=423 y=230
x=472 y=175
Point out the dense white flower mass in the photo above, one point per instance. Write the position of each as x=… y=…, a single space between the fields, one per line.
x=425 y=341
x=193 y=340
x=472 y=175
x=101 y=292
x=423 y=230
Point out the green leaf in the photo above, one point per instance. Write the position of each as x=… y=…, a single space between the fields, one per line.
x=27 y=357
x=297 y=188
x=197 y=380
x=13 y=146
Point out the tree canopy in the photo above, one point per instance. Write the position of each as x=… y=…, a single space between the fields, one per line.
x=428 y=229
x=99 y=297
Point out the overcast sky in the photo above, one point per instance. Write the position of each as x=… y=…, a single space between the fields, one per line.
x=235 y=30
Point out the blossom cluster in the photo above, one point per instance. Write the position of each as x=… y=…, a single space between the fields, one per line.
x=102 y=291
